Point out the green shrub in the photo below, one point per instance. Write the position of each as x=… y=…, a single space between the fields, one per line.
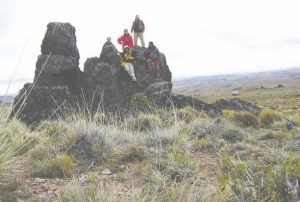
x=245 y=119
x=232 y=135
x=139 y=100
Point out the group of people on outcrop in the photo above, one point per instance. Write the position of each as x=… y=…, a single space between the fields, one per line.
x=127 y=59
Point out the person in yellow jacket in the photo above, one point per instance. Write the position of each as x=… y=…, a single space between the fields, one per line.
x=127 y=62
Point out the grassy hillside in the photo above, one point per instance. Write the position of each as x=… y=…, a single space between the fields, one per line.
x=159 y=154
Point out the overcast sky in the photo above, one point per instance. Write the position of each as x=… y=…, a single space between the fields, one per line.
x=197 y=37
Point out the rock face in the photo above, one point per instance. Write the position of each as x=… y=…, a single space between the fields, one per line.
x=60 y=87
x=58 y=81
x=237 y=105
x=112 y=85
x=60 y=40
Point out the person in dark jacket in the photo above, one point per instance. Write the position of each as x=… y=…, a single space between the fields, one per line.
x=126 y=40
x=138 y=27
x=109 y=43
x=127 y=62
x=153 y=56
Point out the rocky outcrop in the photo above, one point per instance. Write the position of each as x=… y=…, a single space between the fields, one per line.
x=60 y=40
x=60 y=87
x=237 y=105
x=111 y=85
x=58 y=83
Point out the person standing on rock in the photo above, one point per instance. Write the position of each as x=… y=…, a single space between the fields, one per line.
x=127 y=62
x=153 y=56
x=126 y=40
x=138 y=27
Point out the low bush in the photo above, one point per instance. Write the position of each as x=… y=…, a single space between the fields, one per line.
x=232 y=135
x=139 y=100
x=245 y=119
x=268 y=116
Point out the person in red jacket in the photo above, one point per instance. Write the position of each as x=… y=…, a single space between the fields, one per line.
x=126 y=40
x=138 y=27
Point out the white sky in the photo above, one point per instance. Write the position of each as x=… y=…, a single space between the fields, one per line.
x=198 y=37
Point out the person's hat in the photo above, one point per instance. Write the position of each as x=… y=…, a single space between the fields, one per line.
x=125 y=30
x=125 y=47
x=151 y=42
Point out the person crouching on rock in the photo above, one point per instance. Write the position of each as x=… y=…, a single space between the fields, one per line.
x=153 y=58
x=127 y=62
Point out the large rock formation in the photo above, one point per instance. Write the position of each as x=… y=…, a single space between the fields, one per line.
x=60 y=87
x=112 y=85
x=58 y=82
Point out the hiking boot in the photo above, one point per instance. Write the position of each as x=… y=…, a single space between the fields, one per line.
x=149 y=70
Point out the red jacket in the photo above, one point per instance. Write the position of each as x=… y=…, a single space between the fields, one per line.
x=125 y=40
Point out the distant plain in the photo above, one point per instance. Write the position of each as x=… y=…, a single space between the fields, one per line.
x=265 y=89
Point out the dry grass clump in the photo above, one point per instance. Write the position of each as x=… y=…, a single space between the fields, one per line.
x=45 y=163
x=245 y=119
x=135 y=153
x=159 y=153
x=143 y=122
x=268 y=116
x=15 y=139
x=201 y=144
x=7 y=191
x=227 y=113
x=61 y=166
x=188 y=114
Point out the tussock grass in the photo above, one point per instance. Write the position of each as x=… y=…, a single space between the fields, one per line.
x=15 y=139
x=156 y=154
x=268 y=116
x=245 y=119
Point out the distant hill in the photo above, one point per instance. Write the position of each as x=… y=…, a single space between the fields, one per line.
x=245 y=82
x=7 y=99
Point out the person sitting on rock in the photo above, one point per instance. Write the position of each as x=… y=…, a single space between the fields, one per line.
x=126 y=40
x=127 y=62
x=153 y=56
x=109 y=43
